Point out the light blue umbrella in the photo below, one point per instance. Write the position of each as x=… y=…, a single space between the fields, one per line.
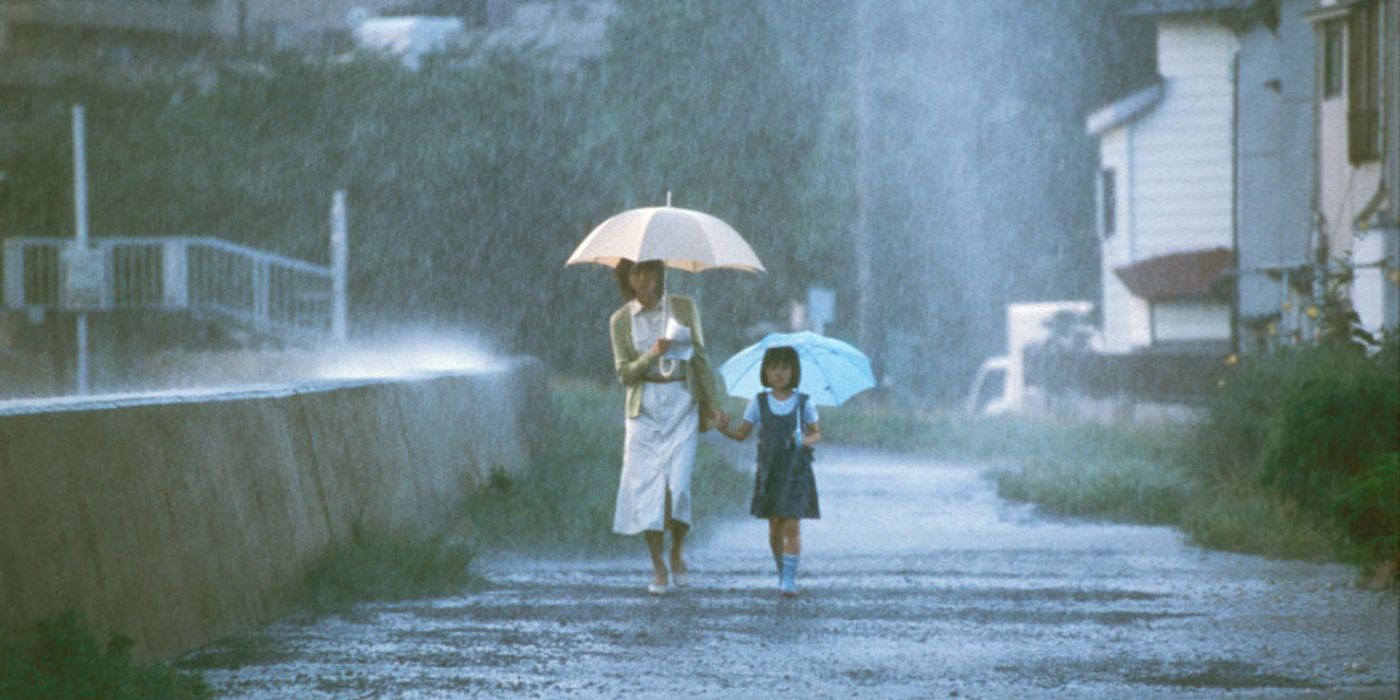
x=832 y=370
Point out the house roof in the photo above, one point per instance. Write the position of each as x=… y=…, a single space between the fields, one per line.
x=1184 y=7
x=1124 y=109
x=1190 y=275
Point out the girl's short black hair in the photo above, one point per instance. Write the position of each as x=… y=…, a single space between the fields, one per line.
x=781 y=355
x=624 y=268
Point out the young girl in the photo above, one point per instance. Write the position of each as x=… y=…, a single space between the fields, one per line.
x=784 y=491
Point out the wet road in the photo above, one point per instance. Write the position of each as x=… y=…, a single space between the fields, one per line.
x=917 y=583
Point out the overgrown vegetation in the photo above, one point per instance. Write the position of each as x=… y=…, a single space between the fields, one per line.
x=476 y=174
x=562 y=505
x=378 y=567
x=1297 y=456
x=59 y=658
x=1317 y=429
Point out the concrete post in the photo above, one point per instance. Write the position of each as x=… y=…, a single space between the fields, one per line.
x=174 y=269
x=261 y=284
x=80 y=216
x=339 y=268
x=14 y=275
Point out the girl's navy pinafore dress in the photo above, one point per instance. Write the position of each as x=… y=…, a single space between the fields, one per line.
x=783 y=485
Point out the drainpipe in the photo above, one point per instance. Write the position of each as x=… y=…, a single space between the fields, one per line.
x=1235 y=200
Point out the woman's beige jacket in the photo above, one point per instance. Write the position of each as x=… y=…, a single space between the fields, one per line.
x=632 y=366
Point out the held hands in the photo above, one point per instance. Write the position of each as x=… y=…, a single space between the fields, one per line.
x=661 y=346
x=720 y=420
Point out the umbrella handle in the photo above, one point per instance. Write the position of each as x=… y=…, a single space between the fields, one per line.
x=666 y=364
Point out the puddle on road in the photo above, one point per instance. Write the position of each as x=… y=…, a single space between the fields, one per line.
x=917 y=582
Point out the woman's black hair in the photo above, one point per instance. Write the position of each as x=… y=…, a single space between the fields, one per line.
x=781 y=355
x=624 y=269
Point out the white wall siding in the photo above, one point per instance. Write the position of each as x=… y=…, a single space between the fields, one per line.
x=1190 y=321
x=1194 y=46
x=1182 y=157
x=1127 y=319
x=1117 y=250
x=1369 y=286
x=1175 y=182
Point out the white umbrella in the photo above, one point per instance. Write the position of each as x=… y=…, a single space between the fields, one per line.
x=682 y=238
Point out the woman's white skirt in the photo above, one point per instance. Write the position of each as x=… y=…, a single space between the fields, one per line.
x=658 y=456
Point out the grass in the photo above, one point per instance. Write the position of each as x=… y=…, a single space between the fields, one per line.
x=1124 y=489
x=1244 y=517
x=1116 y=471
x=58 y=657
x=562 y=505
x=378 y=567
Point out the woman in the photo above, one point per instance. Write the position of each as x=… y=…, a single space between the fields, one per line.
x=669 y=402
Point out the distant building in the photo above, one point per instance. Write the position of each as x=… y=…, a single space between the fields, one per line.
x=42 y=41
x=1357 y=104
x=1204 y=185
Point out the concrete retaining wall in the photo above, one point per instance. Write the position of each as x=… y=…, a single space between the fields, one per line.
x=175 y=520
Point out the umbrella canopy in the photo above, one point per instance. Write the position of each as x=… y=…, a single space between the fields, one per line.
x=832 y=370
x=682 y=238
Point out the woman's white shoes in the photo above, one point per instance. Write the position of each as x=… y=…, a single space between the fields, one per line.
x=656 y=588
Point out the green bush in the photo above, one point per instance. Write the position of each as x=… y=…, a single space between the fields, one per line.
x=1206 y=478
x=1314 y=429
x=1369 y=508
x=378 y=567
x=479 y=171
x=1243 y=516
x=59 y=658
x=1337 y=413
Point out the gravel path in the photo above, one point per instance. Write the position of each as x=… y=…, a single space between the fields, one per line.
x=917 y=583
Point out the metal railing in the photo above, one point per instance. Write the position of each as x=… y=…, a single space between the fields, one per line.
x=270 y=292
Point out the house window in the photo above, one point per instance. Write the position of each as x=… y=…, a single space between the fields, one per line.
x=1108 y=203
x=1363 y=83
x=1332 y=59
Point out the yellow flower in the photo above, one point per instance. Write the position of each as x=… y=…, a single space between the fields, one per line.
x=1273 y=328
x=1232 y=359
x=1220 y=383
x=1312 y=312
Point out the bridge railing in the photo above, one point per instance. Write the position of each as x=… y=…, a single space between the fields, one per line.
x=271 y=292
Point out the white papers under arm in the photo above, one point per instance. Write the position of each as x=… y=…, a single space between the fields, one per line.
x=679 y=335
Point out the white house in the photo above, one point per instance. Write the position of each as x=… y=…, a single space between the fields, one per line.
x=1358 y=150
x=1165 y=182
x=1202 y=191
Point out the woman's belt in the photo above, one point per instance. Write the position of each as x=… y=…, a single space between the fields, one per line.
x=661 y=380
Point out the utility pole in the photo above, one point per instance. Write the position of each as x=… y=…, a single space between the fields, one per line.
x=340 y=269
x=80 y=238
x=865 y=185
